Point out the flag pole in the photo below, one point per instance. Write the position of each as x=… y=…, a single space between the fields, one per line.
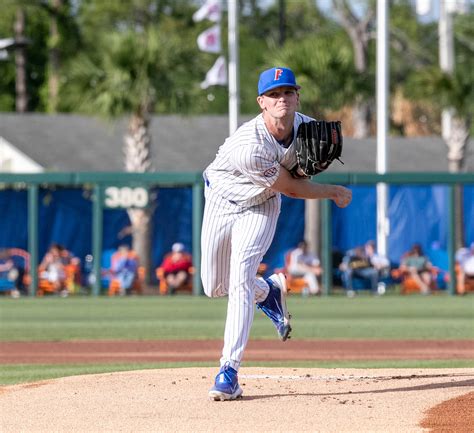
x=233 y=24
x=383 y=227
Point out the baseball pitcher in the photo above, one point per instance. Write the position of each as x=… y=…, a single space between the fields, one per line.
x=275 y=153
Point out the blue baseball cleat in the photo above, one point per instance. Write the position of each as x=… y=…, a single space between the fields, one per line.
x=226 y=386
x=275 y=305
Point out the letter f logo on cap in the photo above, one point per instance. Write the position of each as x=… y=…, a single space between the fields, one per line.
x=276 y=77
x=278 y=73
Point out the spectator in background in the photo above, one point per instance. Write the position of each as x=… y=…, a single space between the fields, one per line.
x=417 y=265
x=303 y=263
x=59 y=271
x=465 y=259
x=176 y=268
x=14 y=272
x=124 y=268
x=53 y=269
x=379 y=262
x=357 y=263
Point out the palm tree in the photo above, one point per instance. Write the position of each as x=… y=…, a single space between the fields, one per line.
x=21 y=100
x=123 y=76
x=54 y=54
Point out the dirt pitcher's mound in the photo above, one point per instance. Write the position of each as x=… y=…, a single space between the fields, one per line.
x=275 y=400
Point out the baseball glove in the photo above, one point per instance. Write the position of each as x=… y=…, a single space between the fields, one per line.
x=318 y=144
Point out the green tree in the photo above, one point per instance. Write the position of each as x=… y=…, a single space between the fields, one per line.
x=359 y=29
x=413 y=44
x=429 y=83
x=324 y=64
x=323 y=57
x=36 y=31
x=136 y=60
x=52 y=35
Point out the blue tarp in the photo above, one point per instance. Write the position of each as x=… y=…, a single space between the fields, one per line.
x=13 y=219
x=172 y=222
x=65 y=217
x=417 y=214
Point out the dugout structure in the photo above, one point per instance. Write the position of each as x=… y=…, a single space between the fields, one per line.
x=131 y=189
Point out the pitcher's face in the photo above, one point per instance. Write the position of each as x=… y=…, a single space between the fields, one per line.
x=279 y=102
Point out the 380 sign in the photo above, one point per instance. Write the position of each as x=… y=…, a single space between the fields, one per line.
x=125 y=197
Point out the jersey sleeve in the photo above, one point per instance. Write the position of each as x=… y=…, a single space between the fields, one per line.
x=257 y=163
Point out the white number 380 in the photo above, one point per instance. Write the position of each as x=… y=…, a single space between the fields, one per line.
x=125 y=197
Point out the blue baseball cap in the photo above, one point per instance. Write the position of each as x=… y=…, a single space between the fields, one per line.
x=276 y=77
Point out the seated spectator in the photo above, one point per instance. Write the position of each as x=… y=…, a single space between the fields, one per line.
x=124 y=269
x=379 y=262
x=303 y=263
x=52 y=269
x=465 y=274
x=13 y=272
x=358 y=264
x=59 y=272
x=417 y=265
x=176 y=268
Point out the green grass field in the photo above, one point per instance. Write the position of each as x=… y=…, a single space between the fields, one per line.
x=184 y=317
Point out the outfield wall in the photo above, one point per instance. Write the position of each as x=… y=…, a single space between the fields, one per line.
x=86 y=212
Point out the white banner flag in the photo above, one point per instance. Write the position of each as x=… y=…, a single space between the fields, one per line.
x=217 y=75
x=210 y=10
x=6 y=43
x=209 y=40
x=423 y=7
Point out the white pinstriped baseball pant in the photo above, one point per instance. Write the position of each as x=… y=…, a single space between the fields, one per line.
x=234 y=241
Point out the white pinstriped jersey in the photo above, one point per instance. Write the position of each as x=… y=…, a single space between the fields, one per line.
x=248 y=163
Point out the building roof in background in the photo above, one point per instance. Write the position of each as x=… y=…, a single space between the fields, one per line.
x=181 y=144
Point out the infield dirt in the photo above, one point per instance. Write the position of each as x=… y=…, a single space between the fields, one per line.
x=209 y=350
x=275 y=400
